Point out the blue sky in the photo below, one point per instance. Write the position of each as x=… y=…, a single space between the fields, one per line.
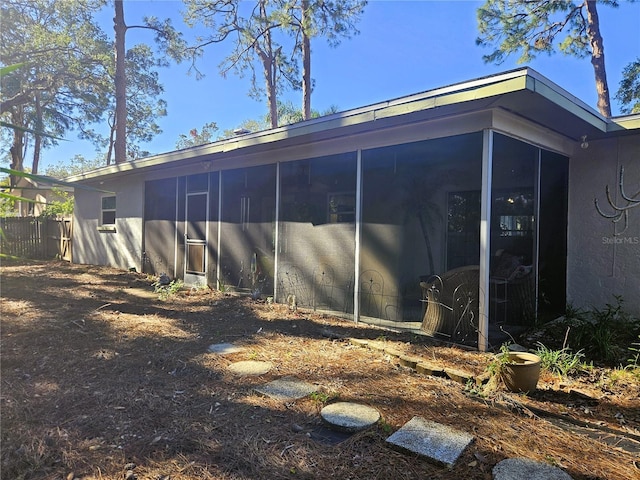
x=404 y=47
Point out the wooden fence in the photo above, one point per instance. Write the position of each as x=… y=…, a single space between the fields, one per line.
x=37 y=238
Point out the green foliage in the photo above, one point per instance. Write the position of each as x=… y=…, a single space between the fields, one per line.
x=287 y=114
x=8 y=207
x=562 y=362
x=386 y=427
x=63 y=83
x=6 y=70
x=629 y=92
x=144 y=105
x=48 y=180
x=323 y=397
x=601 y=333
x=59 y=208
x=9 y=199
x=166 y=291
x=531 y=28
x=572 y=313
x=77 y=165
x=266 y=39
x=494 y=368
x=195 y=138
x=502 y=358
x=633 y=362
x=68 y=79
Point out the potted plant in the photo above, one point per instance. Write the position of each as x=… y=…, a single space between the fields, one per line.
x=519 y=371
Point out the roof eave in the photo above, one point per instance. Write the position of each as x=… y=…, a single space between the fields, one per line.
x=460 y=93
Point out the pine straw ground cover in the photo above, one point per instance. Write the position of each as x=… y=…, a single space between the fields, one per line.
x=99 y=375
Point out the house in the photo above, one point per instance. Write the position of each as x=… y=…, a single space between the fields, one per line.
x=495 y=178
x=41 y=194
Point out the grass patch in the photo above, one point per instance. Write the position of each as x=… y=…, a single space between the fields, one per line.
x=561 y=362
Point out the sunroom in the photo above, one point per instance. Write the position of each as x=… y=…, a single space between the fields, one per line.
x=444 y=212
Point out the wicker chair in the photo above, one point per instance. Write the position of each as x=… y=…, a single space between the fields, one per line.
x=452 y=304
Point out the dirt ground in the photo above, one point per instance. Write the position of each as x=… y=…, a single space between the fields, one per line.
x=101 y=379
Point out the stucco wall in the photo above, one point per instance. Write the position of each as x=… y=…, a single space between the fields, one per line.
x=121 y=248
x=600 y=263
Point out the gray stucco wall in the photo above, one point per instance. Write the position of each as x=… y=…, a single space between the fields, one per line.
x=600 y=263
x=120 y=248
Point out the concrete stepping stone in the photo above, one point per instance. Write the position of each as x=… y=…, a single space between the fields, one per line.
x=224 y=348
x=250 y=367
x=286 y=388
x=439 y=443
x=526 y=469
x=350 y=417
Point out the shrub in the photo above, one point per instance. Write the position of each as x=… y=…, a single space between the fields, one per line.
x=602 y=334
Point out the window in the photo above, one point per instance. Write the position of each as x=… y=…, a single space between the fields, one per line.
x=108 y=216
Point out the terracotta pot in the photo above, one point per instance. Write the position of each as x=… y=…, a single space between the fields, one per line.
x=521 y=372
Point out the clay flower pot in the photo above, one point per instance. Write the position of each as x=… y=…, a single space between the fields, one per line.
x=520 y=372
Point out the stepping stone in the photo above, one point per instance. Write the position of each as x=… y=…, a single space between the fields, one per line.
x=349 y=417
x=287 y=388
x=526 y=469
x=250 y=367
x=224 y=348
x=439 y=443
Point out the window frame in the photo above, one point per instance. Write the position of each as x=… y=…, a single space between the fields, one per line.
x=104 y=210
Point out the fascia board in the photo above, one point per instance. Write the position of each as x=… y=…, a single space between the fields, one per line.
x=487 y=87
x=461 y=92
x=629 y=122
x=560 y=97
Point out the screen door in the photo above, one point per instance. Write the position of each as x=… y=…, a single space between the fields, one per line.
x=195 y=265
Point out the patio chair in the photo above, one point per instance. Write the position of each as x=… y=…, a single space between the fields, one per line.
x=452 y=304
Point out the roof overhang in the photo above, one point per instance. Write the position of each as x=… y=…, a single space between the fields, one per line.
x=523 y=92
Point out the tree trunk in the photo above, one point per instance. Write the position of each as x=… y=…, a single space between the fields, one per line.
x=272 y=94
x=269 y=68
x=120 y=148
x=306 y=62
x=37 y=144
x=112 y=131
x=17 y=146
x=16 y=154
x=597 y=58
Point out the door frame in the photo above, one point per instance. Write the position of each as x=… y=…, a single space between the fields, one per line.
x=194 y=277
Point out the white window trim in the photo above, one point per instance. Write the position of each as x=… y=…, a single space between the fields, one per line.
x=107 y=227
